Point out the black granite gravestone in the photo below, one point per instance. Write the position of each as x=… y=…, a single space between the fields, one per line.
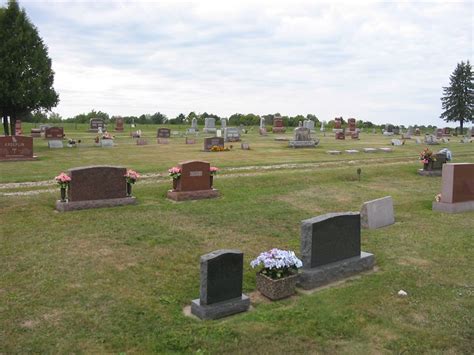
x=330 y=239
x=221 y=276
x=221 y=285
x=330 y=249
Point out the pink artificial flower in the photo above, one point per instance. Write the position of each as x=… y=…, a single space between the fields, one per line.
x=63 y=178
x=174 y=170
x=213 y=169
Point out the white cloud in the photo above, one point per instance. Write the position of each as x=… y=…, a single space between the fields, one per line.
x=377 y=61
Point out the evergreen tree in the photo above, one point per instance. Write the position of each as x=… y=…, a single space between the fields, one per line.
x=458 y=99
x=26 y=77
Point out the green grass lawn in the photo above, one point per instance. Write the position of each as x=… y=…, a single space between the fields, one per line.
x=116 y=280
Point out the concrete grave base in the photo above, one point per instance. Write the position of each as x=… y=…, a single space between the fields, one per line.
x=302 y=144
x=456 y=207
x=325 y=274
x=209 y=130
x=85 y=205
x=192 y=195
x=278 y=129
x=423 y=172
x=220 y=309
x=20 y=159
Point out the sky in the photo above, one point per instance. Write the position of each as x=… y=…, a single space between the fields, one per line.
x=378 y=61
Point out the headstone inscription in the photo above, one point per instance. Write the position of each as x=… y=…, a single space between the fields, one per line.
x=96 y=124
x=221 y=285
x=377 y=213
x=194 y=183
x=457 y=191
x=95 y=187
x=330 y=249
x=213 y=142
x=231 y=134
x=56 y=133
x=16 y=148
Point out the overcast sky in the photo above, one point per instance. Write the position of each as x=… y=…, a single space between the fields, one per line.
x=376 y=61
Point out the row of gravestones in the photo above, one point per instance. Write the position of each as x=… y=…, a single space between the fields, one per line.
x=330 y=251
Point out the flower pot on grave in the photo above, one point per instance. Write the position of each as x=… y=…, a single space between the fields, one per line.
x=129 y=189
x=212 y=180
x=63 y=194
x=276 y=289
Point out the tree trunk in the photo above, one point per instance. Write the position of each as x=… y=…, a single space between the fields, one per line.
x=461 y=122
x=12 y=124
x=6 y=131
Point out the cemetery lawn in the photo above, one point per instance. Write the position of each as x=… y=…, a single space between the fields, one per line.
x=116 y=280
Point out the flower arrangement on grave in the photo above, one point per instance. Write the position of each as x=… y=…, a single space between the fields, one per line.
x=131 y=177
x=277 y=263
x=438 y=198
x=216 y=148
x=278 y=275
x=97 y=139
x=107 y=135
x=174 y=172
x=426 y=156
x=213 y=170
x=63 y=180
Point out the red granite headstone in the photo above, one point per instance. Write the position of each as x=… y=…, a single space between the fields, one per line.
x=16 y=148
x=18 y=130
x=119 y=121
x=97 y=183
x=54 y=133
x=457 y=182
x=439 y=133
x=338 y=123
x=352 y=124
x=195 y=176
x=163 y=133
x=340 y=135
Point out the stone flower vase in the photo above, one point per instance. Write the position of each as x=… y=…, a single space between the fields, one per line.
x=212 y=180
x=63 y=194
x=129 y=189
x=276 y=289
x=175 y=184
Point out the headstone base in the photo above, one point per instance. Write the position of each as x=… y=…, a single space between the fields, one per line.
x=302 y=144
x=423 y=172
x=388 y=133
x=337 y=130
x=107 y=143
x=55 y=144
x=220 y=309
x=192 y=195
x=19 y=158
x=85 y=205
x=278 y=129
x=457 y=207
x=325 y=274
x=209 y=130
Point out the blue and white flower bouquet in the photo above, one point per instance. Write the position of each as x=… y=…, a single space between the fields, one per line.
x=277 y=263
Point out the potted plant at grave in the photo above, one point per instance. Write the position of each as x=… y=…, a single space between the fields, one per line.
x=63 y=180
x=131 y=176
x=279 y=273
x=175 y=174
x=427 y=158
x=213 y=171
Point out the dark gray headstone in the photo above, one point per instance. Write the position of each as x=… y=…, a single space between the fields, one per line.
x=221 y=276
x=329 y=238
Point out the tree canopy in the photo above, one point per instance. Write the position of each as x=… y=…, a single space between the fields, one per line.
x=458 y=97
x=26 y=77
